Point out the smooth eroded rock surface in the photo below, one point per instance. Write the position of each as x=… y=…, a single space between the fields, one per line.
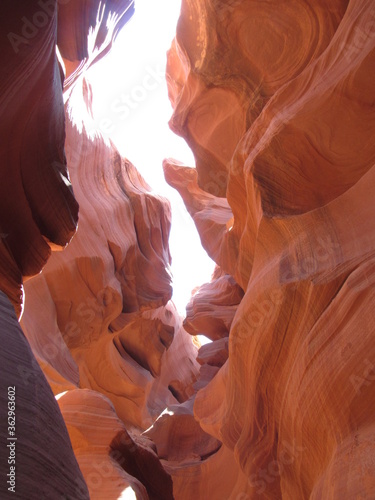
x=276 y=100
x=295 y=400
x=33 y=433
x=37 y=206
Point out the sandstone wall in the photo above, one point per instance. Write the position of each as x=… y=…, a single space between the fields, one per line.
x=276 y=100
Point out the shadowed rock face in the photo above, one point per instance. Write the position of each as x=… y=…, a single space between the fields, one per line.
x=276 y=100
x=40 y=453
x=111 y=457
x=37 y=206
x=99 y=316
x=106 y=298
x=36 y=200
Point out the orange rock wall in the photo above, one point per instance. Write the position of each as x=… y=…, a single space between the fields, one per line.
x=99 y=317
x=294 y=403
x=276 y=100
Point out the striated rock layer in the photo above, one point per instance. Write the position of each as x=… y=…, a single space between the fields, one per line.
x=107 y=319
x=287 y=92
x=37 y=206
x=99 y=317
x=38 y=212
x=37 y=460
x=277 y=101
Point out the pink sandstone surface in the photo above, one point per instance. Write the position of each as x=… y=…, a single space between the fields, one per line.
x=276 y=100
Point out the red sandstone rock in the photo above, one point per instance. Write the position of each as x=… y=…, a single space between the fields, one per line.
x=215 y=353
x=107 y=323
x=37 y=206
x=108 y=291
x=41 y=454
x=295 y=401
x=37 y=212
x=276 y=101
x=211 y=309
x=112 y=461
x=178 y=436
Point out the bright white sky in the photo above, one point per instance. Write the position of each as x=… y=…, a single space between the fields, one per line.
x=131 y=106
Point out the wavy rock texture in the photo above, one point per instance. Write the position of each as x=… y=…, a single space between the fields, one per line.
x=294 y=404
x=108 y=292
x=107 y=323
x=45 y=466
x=37 y=212
x=37 y=208
x=37 y=205
x=276 y=99
x=99 y=315
x=86 y=31
x=212 y=308
x=110 y=458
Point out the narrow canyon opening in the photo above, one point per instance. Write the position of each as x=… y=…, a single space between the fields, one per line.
x=105 y=393
x=131 y=107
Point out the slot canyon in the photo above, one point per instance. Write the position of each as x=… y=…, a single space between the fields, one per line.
x=106 y=391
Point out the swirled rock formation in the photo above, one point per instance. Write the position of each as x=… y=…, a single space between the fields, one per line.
x=108 y=292
x=37 y=460
x=293 y=405
x=211 y=309
x=37 y=207
x=113 y=461
x=276 y=100
x=99 y=316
